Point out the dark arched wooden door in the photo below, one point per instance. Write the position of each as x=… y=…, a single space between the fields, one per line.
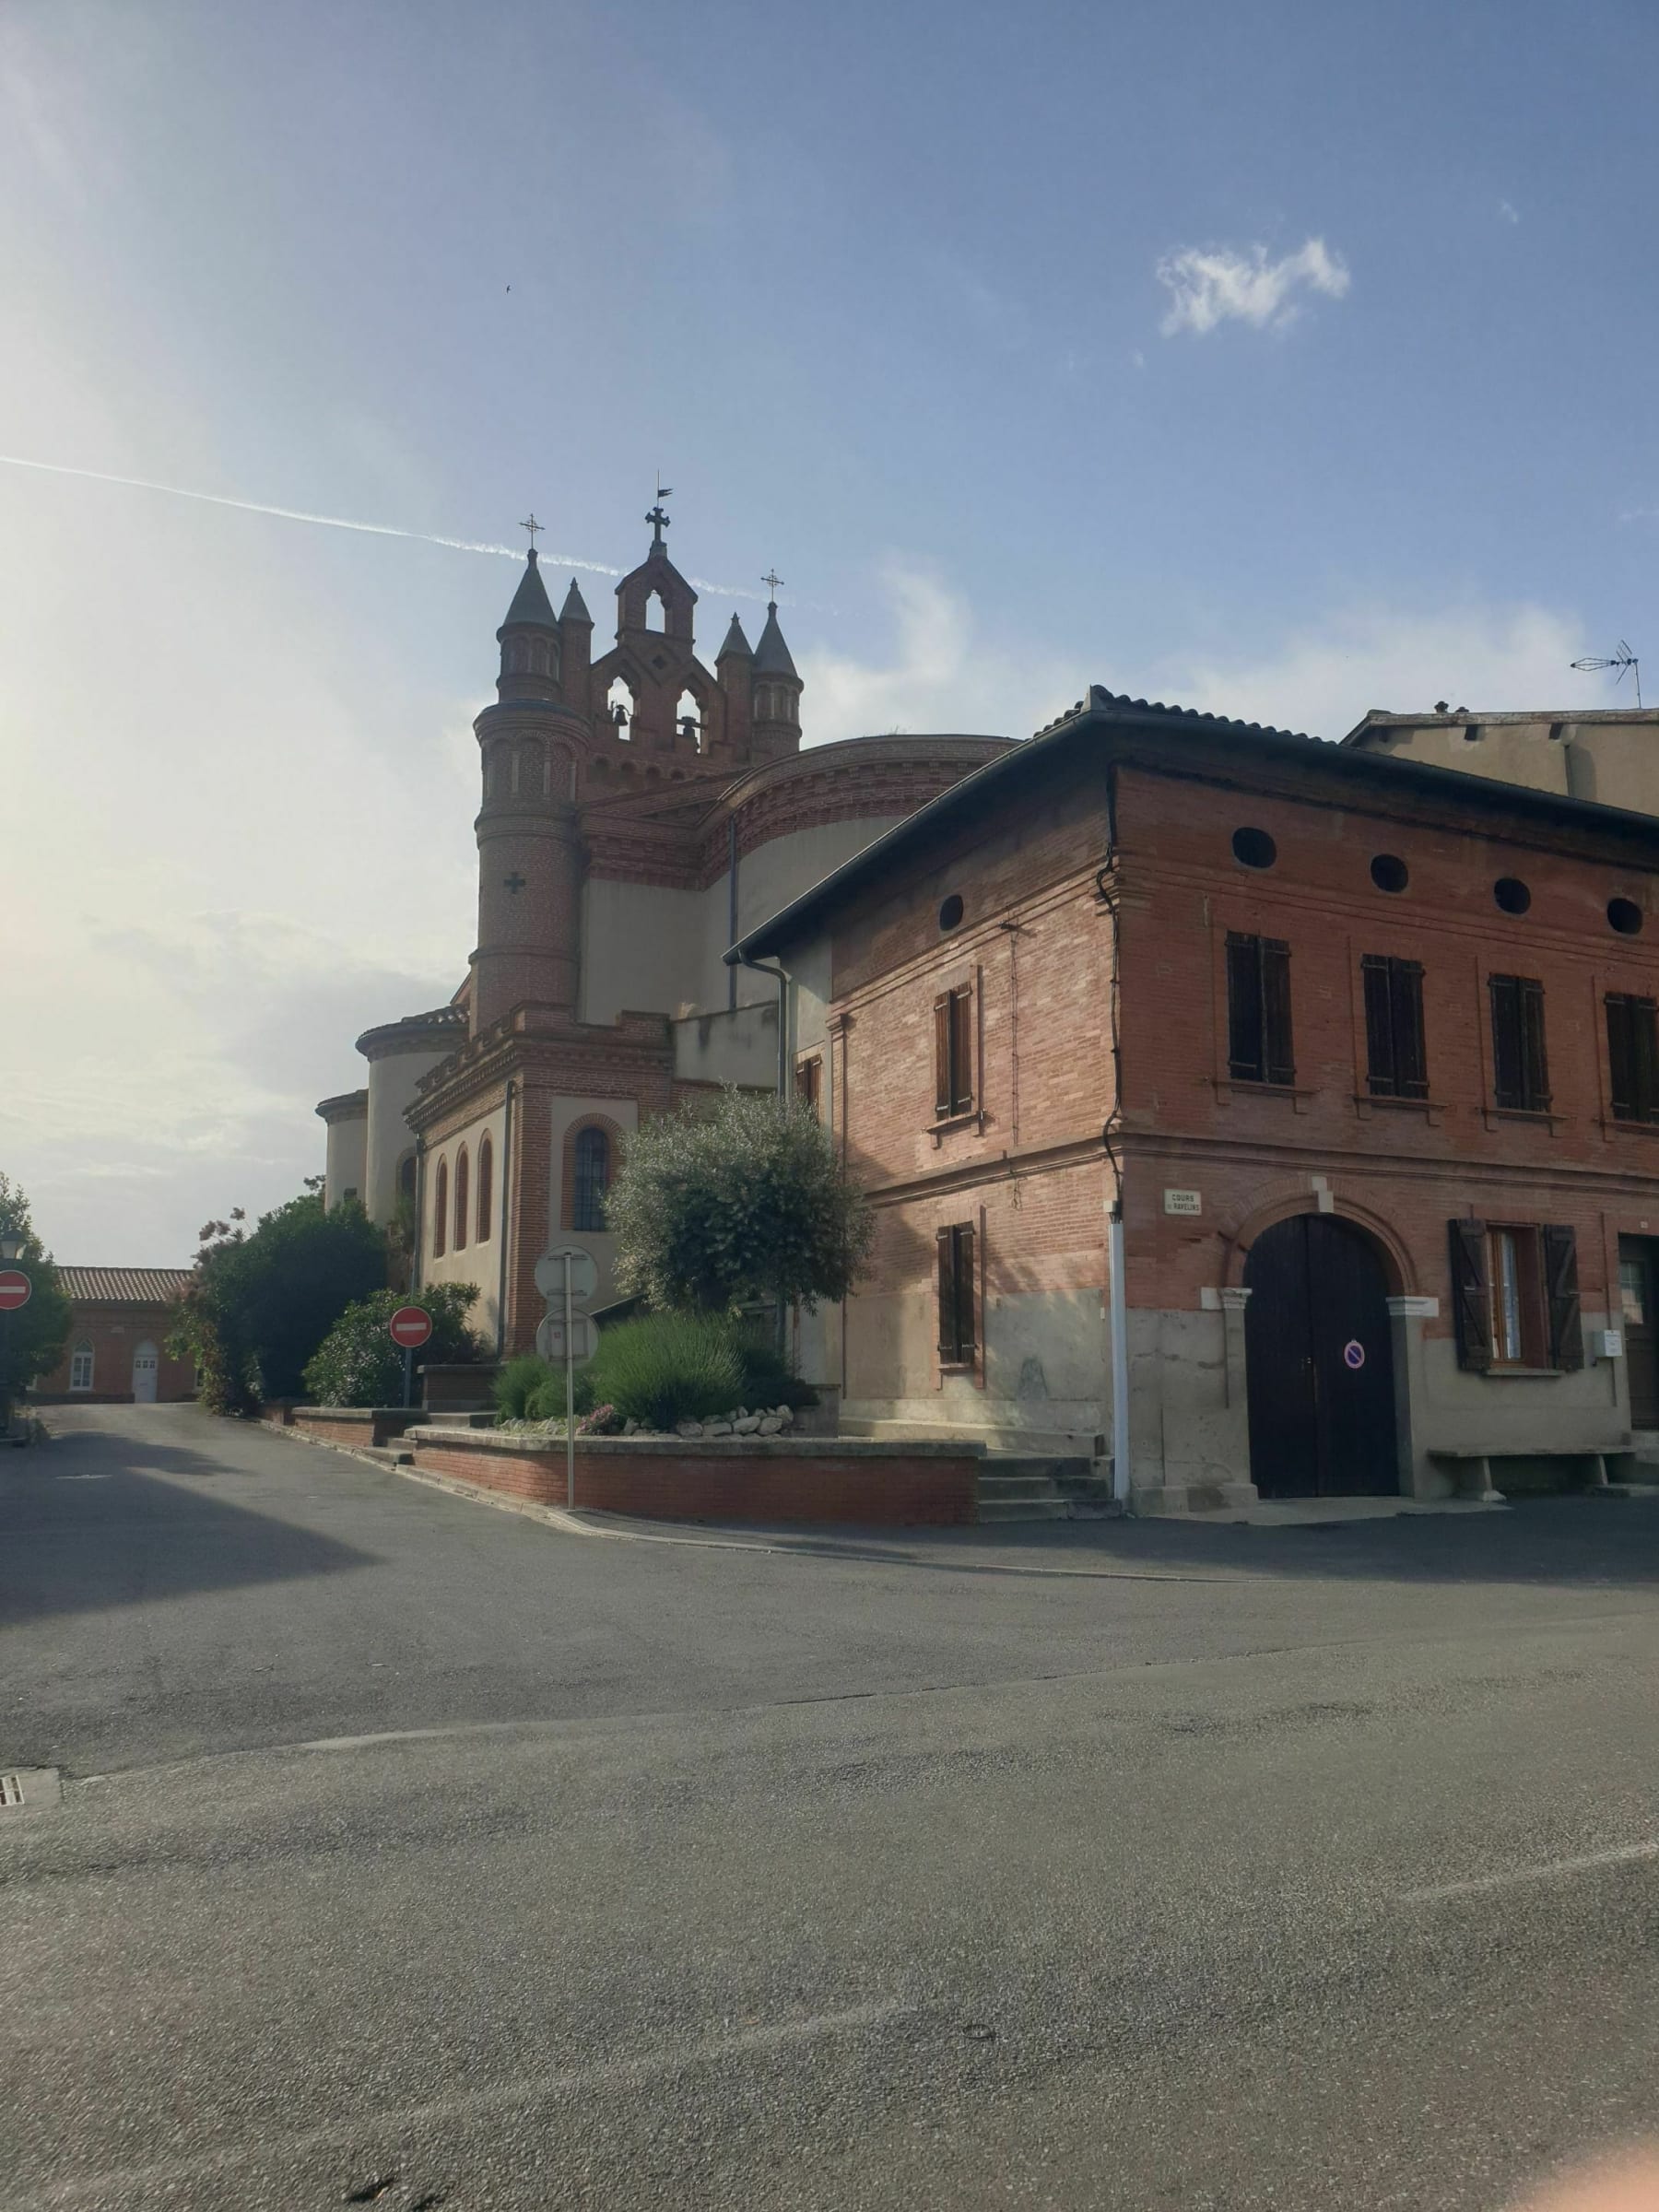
x=1319 y=1353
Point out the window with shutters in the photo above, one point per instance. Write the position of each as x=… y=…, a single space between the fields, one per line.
x=1633 y=1057
x=1515 y=1296
x=809 y=1084
x=958 y=1297
x=1396 y=1062
x=1520 y=1066
x=1258 y=1010
x=954 y=1054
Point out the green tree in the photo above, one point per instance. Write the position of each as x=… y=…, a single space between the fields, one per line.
x=357 y=1364
x=32 y=1339
x=749 y=1202
x=259 y=1303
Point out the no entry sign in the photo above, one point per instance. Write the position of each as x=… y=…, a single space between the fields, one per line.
x=16 y=1289
x=410 y=1327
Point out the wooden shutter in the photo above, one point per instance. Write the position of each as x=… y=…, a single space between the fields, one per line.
x=1621 y=1057
x=1535 y=1063
x=1410 y=1055
x=948 y=1297
x=961 y=1050
x=967 y=1289
x=1275 y=1011
x=1471 y=1300
x=1245 y=1060
x=1562 y=1295
x=942 y=1056
x=1381 y=1068
x=1508 y=1061
x=1645 y=1058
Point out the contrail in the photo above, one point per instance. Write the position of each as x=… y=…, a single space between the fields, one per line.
x=340 y=521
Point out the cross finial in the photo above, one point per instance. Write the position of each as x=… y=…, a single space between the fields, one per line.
x=659 y=517
x=531 y=524
x=772 y=581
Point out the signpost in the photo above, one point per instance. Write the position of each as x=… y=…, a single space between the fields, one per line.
x=575 y=1273
x=409 y=1327
x=15 y=1290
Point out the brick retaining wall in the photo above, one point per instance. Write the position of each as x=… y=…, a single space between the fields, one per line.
x=904 y=1485
x=354 y=1424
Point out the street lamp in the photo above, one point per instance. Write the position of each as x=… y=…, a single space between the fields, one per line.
x=11 y=1244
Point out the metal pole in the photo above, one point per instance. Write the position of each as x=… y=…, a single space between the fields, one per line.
x=408 y=1376
x=570 y=1395
x=1120 y=1358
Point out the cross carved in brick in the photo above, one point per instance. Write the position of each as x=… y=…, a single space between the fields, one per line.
x=515 y=882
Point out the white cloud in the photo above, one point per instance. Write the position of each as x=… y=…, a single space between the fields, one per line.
x=1208 y=285
x=946 y=674
x=1507 y=212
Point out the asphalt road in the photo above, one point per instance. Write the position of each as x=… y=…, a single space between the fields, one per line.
x=415 y=1854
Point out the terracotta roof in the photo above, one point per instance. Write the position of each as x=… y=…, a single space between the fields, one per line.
x=123 y=1285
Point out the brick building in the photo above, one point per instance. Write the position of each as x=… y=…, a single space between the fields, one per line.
x=117 y=1353
x=639 y=810
x=1367 y=1048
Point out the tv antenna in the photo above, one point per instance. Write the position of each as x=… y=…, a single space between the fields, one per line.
x=1622 y=660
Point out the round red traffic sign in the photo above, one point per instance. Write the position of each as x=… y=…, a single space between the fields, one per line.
x=411 y=1326
x=16 y=1289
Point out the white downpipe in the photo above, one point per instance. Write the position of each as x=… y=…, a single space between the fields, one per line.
x=1120 y=1359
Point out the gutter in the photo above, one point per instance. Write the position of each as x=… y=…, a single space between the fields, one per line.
x=506 y=1188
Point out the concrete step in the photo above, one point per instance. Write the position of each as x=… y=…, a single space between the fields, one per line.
x=1023 y=1509
x=1051 y=1443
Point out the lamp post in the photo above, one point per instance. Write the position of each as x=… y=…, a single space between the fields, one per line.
x=11 y=1248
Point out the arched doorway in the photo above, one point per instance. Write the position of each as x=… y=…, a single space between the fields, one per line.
x=1319 y=1354
x=145 y=1366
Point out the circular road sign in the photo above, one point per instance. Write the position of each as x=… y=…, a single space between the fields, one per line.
x=1353 y=1351
x=410 y=1327
x=16 y=1289
x=584 y=1274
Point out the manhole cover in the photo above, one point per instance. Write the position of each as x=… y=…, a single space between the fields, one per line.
x=26 y=1789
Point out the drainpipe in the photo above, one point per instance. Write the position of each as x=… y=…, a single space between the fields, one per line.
x=506 y=1187
x=760 y=968
x=732 y=909
x=1117 y=1296
x=419 y=1214
x=1120 y=1355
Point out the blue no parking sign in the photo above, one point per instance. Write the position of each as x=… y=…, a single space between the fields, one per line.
x=1353 y=1353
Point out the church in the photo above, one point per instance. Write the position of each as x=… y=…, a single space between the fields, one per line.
x=639 y=811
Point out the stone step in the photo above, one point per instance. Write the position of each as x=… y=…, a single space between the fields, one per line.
x=1011 y=1488
x=1023 y=1509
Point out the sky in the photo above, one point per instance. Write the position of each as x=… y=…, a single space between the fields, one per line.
x=1281 y=361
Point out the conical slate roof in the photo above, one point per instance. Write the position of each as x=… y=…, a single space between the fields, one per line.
x=575 y=607
x=530 y=602
x=771 y=655
x=734 y=643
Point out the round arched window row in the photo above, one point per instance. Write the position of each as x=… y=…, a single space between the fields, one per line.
x=1254 y=849
x=1511 y=895
x=1389 y=872
x=1625 y=916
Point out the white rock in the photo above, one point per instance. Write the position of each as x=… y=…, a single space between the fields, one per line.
x=771 y=1426
x=688 y=1428
x=785 y=1414
x=747 y=1424
x=717 y=1428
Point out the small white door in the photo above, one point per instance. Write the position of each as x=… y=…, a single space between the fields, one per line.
x=145 y=1365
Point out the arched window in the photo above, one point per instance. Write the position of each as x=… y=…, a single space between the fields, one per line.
x=688 y=722
x=440 y=1209
x=486 y=1187
x=591 y=1178
x=406 y=1178
x=461 y=1185
x=619 y=705
x=80 y=1366
x=657 y=612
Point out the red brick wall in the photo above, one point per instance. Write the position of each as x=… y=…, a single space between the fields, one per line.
x=1409 y=1167
x=936 y=1489
x=115 y=1333
x=346 y=1425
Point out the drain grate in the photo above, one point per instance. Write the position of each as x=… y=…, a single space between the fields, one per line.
x=11 y=1789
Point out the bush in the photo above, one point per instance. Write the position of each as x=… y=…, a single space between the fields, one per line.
x=668 y=1367
x=767 y=1377
x=357 y=1364
x=519 y=1382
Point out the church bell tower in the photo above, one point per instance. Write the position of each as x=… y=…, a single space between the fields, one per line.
x=531 y=744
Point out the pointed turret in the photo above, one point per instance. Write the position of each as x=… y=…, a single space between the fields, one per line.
x=734 y=643
x=771 y=655
x=576 y=641
x=575 y=607
x=529 y=641
x=776 y=686
x=530 y=602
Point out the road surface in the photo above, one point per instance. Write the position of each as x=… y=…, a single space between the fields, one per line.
x=414 y=1853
